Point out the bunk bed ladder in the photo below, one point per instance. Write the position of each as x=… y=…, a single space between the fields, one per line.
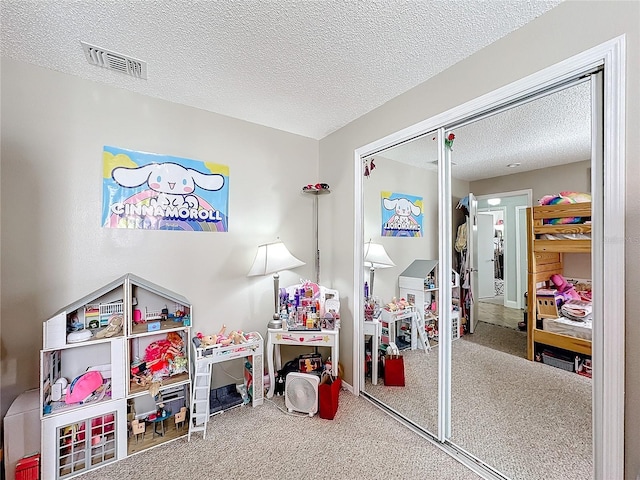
x=200 y=398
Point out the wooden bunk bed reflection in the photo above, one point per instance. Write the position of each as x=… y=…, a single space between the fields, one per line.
x=546 y=258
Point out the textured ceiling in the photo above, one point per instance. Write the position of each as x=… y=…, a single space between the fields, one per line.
x=306 y=67
x=549 y=131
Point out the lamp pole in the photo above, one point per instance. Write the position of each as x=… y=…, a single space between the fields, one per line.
x=316 y=191
x=275 y=321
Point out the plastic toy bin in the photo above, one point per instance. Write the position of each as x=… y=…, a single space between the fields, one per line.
x=557 y=362
x=28 y=468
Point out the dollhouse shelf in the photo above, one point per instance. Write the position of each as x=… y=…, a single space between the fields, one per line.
x=181 y=378
x=164 y=326
x=81 y=436
x=419 y=285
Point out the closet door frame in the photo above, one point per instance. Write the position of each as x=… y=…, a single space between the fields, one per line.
x=608 y=256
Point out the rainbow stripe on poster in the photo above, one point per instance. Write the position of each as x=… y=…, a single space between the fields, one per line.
x=150 y=191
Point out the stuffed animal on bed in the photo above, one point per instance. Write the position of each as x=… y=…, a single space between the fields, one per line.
x=564 y=198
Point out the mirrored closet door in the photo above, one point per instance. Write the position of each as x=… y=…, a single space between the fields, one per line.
x=468 y=382
x=400 y=215
x=500 y=393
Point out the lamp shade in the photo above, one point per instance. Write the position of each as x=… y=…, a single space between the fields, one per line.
x=272 y=258
x=375 y=256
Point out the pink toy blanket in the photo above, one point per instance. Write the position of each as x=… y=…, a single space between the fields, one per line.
x=83 y=386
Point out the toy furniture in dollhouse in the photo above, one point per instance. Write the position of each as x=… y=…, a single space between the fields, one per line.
x=158 y=423
x=203 y=359
x=419 y=285
x=180 y=417
x=87 y=391
x=138 y=428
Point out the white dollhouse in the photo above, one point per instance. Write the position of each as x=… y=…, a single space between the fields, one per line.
x=419 y=285
x=109 y=335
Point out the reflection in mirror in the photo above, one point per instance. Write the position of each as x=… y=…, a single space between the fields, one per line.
x=536 y=416
x=401 y=203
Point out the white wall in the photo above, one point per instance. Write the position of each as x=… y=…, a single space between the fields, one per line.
x=54 y=250
x=574 y=177
x=564 y=31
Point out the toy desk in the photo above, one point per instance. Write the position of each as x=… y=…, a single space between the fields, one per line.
x=159 y=421
x=278 y=336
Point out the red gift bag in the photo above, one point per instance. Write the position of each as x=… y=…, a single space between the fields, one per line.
x=328 y=394
x=394 y=370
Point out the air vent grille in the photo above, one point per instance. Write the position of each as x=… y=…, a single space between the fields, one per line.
x=101 y=57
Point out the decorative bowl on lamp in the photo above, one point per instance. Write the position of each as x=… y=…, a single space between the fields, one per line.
x=273 y=258
x=375 y=256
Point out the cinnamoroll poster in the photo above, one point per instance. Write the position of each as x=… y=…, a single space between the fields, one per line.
x=162 y=192
x=401 y=215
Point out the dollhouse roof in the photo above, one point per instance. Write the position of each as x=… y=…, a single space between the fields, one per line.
x=128 y=279
x=419 y=268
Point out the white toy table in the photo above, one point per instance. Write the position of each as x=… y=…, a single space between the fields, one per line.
x=314 y=338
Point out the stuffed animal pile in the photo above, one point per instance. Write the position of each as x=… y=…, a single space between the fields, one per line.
x=565 y=198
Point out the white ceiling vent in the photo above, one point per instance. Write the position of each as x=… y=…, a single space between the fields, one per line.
x=114 y=61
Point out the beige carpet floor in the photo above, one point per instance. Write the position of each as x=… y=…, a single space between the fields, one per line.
x=528 y=420
x=361 y=442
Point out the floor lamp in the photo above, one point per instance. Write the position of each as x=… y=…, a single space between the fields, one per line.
x=315 y=190
x=375 y=256
x=272 y=258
